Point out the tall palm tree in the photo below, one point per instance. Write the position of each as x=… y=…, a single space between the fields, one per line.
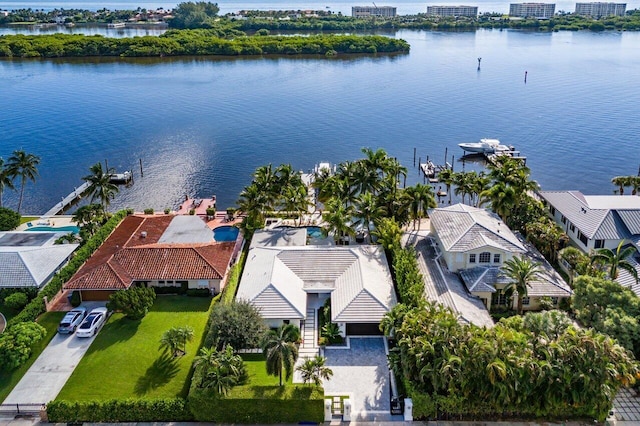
x=616 y=260
x=5 y=179
x=367 y=210
x=447 y=177
x=267 y=183
x=502 y=198
x=621 y=182
x=634 y=183
x=100 y=186
x=24 y=165
x=338 y=220
x=281 y=350
x=521 y=272
x=421 y=199
x=295 y=199
x=313 y=370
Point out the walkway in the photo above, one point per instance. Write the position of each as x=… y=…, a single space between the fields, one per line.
x=442 y=286
x=361 y=372
x=68 y=200
x=627 y=406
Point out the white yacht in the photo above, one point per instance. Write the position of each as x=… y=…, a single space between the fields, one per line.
x=485 y=146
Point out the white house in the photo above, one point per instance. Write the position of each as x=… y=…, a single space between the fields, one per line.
x=290 y=283
x=475 y=243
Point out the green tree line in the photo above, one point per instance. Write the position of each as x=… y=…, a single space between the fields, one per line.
x=192 y=42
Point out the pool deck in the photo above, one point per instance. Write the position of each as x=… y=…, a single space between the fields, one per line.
x=53 y=221
x=200 y=205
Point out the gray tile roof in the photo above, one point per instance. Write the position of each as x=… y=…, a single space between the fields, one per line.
x=31 y=266
x=187 y=229
x=277 y=279
x=481 y=279
x=462 y=228
x=605 y=217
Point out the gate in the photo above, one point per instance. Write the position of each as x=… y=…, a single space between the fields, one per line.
x=21 y=409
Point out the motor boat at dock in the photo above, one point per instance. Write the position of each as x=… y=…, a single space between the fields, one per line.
x=485 y=146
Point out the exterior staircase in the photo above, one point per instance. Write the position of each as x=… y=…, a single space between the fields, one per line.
x=309 y=346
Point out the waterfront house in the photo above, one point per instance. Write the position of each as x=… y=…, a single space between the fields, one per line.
x=30 y=259
x=155 y=251
x=475 y=243
x=289 y=281
x=598 y=221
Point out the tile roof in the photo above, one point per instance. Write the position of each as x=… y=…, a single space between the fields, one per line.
x=32 y=266
x=461 y=228
x=277 y=279
x=126 y=256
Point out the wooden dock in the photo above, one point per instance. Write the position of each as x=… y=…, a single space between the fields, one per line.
x=68 y=200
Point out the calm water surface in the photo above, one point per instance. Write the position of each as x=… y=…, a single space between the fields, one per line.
x=201 y=126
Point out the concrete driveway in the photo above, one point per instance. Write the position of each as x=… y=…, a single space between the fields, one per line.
x=46 y=377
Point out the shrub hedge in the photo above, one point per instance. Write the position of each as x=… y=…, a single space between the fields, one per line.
x=258 y=404
x=36 y=306
x=120 y=410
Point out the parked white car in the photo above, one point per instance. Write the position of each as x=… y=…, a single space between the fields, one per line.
x=92 y=323
x=72 y=320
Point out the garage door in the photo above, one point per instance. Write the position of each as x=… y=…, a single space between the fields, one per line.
x=363 y=329
x=96 y=295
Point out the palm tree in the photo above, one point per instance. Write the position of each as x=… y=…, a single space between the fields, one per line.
x=521 y=272
x=5 y=179
x=502 y=198
x=621 y=182
x=281 y=350
x=338 y=220
x=421 y=199
x=366 y=211
x=266 y=182
x=100 y=185
x=313 y=370
x=295 y=199
x=634 y=183
x=24 y=165
x=616 y=260
x=220 y=370
x=447 y=176
x=88 y=218
x=175 y=340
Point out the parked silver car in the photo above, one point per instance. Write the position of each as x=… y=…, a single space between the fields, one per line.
x=72 y=320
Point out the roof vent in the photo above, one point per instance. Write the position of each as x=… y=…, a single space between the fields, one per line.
x=143 y=234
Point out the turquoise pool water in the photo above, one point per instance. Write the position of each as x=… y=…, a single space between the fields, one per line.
x=314 y=232
x=225 y=233
x=67 y=229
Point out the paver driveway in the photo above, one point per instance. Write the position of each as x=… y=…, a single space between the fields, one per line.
x=362 y=373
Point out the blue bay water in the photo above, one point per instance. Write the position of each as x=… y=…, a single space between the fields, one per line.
x=202 y=125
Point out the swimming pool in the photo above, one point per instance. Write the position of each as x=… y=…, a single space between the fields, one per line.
x=67 y=229
x=225 y=233
x=314 y=232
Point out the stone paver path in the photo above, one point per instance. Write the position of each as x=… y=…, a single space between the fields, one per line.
x=627 y=406
x=362 y=373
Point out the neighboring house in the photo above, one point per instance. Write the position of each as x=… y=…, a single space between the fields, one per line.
x=288 y=283
x=156 y=251
x=475 y=243
x=593 y=222
x=30 y=259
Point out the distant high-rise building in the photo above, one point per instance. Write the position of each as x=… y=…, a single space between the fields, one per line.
x=452 y=11
x=535 y=10
x=364 y=11
x=598 y=9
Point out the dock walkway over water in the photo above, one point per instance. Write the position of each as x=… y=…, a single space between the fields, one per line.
x=68 y=200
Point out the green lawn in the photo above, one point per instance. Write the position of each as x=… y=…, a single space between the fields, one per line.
x=257 y=369
x=125 y=360
x=9 y=379
x=25 y=219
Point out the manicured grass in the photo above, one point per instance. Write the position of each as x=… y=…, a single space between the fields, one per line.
x=25 y=219
x=229 y=292
x=257 y=369
x=9 y=379
x=125 y=360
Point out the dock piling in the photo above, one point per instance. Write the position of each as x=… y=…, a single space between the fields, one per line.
x=141 y=172
x=414 y=158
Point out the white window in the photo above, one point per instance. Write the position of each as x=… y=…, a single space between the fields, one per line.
x=496 y=258
x=472 y=258
x=525 y=301
x=485 y=257
x=203 y=283
x=554 y=300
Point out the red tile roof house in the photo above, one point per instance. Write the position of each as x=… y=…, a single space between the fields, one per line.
x=155 y=251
